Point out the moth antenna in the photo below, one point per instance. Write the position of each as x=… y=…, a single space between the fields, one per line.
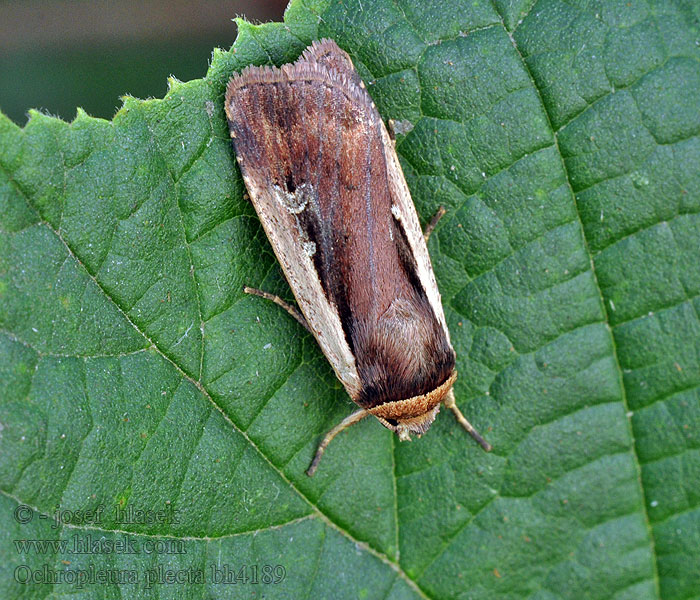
x=344 y=424
x=452 y=405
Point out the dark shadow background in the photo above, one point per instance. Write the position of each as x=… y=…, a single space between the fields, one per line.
x=57 y=55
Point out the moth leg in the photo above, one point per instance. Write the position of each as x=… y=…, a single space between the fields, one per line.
x=433 y=222
x=391 y=130
x=452 y=405
x=398 y=127
x=292 y=310
x=344 y=424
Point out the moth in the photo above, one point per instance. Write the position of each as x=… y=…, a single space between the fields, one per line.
x=324 y=178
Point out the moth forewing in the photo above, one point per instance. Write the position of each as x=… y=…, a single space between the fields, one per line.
x=404 y=211
x=325 y=180
x=277 y=210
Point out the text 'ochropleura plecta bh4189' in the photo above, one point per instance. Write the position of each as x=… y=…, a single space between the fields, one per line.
x=324 y=178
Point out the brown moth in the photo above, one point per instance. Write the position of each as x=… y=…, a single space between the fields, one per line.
x=325 y=180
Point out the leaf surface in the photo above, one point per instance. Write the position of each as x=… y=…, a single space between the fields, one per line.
x=562 y=137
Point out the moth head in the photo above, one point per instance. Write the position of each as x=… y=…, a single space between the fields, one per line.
x=413 y=415
x=404 y=427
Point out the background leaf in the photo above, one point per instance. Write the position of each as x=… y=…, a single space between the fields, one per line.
x=563 y=139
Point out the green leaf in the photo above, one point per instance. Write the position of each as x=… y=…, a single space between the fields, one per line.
x=138 y=379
